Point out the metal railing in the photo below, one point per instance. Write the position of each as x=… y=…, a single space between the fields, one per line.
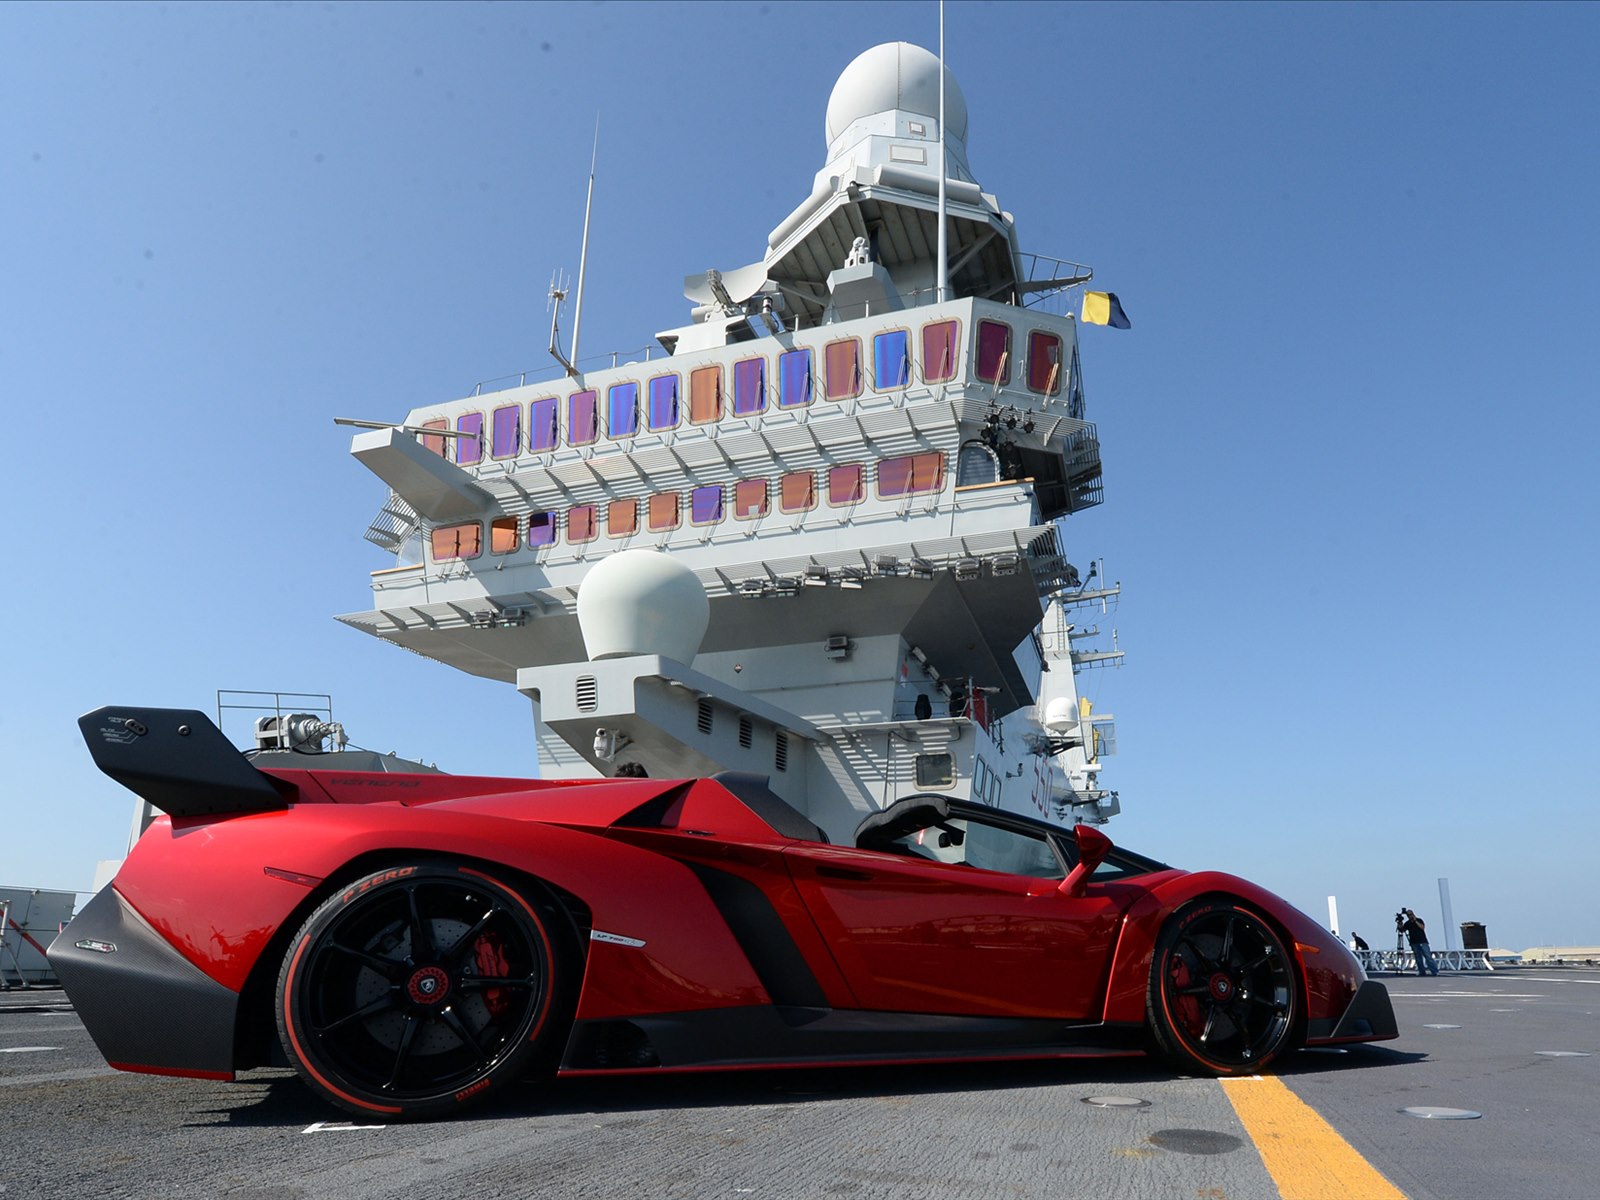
x=1403 y=962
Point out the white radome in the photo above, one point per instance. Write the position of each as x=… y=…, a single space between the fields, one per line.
x=896 y=76
x=642 y=602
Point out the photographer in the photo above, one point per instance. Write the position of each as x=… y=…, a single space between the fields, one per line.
x=1408 y=923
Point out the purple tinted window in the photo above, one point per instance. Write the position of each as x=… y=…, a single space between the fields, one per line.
x=469 y=449
x=749 y=386
x=794 y=378
x=505 y=438
x=542 y=424
x=705 y=505
x=891 y=359
x=541 y=529
x=663 y=412
x=582 y=418
x=622 y=410
x=994 y=352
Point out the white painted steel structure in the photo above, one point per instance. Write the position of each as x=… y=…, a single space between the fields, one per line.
x=869 y=484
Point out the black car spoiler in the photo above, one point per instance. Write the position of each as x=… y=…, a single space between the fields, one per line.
x=179 y=761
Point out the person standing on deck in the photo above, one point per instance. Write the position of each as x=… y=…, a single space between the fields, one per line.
x=1417 y=933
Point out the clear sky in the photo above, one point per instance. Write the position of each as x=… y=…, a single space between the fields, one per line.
x=1349 y=442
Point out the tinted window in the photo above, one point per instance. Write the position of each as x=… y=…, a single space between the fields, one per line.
x=797 y=492
x=891 y=359
x=705 y=395
x=542 y=424
x=469 y=449
x=910 y=474
x=582 y=523
x=939 y=352
x=663 y=514
x=750 y=499
x=794 y=378
x=457 y=541
x=622 y=410
x=994 y=352
x=705 y=505
x=663 y=402
x=843 y=364
x=749 y=387
x=541 y=529
x=1044 y=362
x=505 y=431
x=583 y=424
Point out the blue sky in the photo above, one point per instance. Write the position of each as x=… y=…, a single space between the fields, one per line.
x=1348 y=442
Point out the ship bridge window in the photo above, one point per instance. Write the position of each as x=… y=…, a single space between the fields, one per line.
x=749 y=499
x=1044 y=362
x=939 y=340
x=505 y=431
x=583 y=421
x=622 y=410
x=936 y=770
x=469 y=449
x=705 y=395
x=664 y=512
x=663 y=404
x=582 y=523
x=541 y=530
x=542 y=424
x=797 y=492
x=891 y=359
x=994 y=352
x=432 y=442
x=794 y=378
x=910 y=474
x=847 y=484
x=457 y=541
x=622 y=518
x=705 y=505
x=976 y=464
x=504 y=536
x=749 y=387
x=842 y=362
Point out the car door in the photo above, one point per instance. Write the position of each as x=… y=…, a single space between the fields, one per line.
x=961 y=919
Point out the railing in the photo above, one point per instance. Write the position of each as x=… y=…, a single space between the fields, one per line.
x=1403 y=962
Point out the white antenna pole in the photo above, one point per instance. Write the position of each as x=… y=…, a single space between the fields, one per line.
x=583 y=254
x=944 y=248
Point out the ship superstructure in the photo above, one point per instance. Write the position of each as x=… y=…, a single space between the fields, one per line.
x=862 y=475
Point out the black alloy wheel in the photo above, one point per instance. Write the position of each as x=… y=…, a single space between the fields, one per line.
x=417 y=989
x=1224 y=998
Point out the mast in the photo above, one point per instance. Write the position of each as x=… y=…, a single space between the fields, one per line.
x=583 y=254
x=943 y=268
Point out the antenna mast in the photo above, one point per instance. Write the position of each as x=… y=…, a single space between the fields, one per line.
x=944 y=247
x=583 y=254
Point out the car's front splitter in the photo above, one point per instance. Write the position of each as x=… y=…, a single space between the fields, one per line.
x=1369 y=1017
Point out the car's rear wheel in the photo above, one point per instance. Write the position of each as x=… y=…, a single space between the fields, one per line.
x=1223 y=997
x=417 y=989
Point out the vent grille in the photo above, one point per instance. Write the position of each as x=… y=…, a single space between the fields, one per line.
x=780 y=753
x=703 y=716
x=746 y=731
x=588 y=693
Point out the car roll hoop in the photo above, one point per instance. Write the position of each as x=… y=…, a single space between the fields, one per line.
x=906 y=816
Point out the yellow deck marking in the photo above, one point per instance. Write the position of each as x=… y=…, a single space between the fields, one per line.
x=1305 y=1156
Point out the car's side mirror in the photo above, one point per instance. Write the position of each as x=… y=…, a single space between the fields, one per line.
x=1093 y=846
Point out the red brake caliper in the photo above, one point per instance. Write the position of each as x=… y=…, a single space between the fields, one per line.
x=490 y=955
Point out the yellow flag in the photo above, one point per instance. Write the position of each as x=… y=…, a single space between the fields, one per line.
x=1103 y=308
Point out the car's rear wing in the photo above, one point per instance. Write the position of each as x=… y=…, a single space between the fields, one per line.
x=179 y=761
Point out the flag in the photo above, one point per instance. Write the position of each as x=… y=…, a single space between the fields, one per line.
x=1103 y=308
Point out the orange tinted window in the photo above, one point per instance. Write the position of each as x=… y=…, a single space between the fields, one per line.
x=705 y=395
x=664 y=512
x=910 y=474
x=939 y=352
x=847 y=484
x=432 y=441
x=750 y=498
x=797 y=492
x=581 y=523
x=503 y=535
x=457 y=541
x=622 y=518
x=842 y=362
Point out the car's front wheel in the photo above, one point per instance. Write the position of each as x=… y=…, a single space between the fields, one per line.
x=1223 y=996
x=417 y=989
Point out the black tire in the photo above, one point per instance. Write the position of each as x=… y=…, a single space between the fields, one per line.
x=1224 y=998
x=418 y=989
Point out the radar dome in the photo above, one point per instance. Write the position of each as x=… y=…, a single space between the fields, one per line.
x=895 y=76
x=642 y=602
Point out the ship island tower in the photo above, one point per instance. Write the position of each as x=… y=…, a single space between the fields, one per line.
x=818 y=536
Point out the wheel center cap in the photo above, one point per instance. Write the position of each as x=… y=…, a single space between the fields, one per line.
x=1221 y=986
x=428 y=985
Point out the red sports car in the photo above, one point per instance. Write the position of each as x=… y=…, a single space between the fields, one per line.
x=411 y=942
